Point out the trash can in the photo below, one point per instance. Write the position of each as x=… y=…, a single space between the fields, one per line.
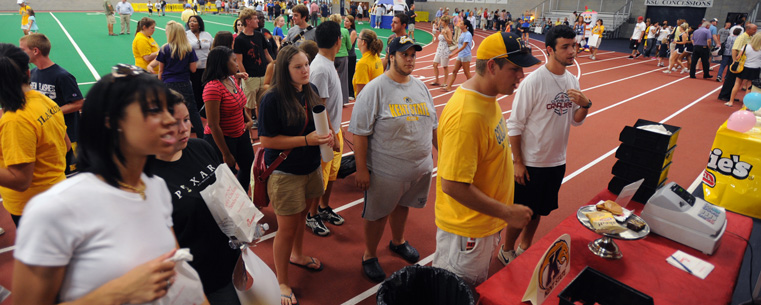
x=421 y=285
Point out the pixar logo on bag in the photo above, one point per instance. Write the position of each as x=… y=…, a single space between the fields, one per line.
x=731 y=166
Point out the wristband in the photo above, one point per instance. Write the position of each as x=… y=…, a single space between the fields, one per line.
x=588 y=105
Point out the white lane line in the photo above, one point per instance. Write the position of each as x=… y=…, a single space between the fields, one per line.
x=695 y=184
x=163 y=29
x=3 y=250
x=616 y=67
x=369 y=292
x=593 y=163
x=76 y=47
x=601 y=60
x=85 y=83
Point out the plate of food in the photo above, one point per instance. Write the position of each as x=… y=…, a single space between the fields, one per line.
x=610 y=219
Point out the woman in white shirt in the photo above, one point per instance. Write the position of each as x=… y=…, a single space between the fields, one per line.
x=201 y=41
x=105 y=235
x=752 y=67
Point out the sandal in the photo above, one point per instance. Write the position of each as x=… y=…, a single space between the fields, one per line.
x=290 y=299
x=306 y=266
x=435 y=84
x=728 y=104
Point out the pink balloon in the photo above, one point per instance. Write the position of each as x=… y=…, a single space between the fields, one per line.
x=741 y=121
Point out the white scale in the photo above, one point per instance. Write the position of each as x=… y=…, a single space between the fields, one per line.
x=674 y=213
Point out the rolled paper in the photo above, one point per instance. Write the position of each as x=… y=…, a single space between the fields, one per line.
x=321 y=125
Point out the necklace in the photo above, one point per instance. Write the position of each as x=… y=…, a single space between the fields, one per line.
x=562 y=89
x=140 y=188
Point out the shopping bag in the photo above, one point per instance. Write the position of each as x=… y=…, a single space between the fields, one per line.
x=254 y=281
x=593 y=40
x=231 y=208
x=187 y=287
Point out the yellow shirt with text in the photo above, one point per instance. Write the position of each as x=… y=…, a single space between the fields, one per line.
x=24 y=14
x=36 y=133
x=141 y=46
x=473 y=148
x=368 y=68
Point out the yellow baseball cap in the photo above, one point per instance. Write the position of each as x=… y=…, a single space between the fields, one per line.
x=506 y=45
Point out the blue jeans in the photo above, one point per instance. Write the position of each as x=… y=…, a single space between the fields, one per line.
x=725 y=59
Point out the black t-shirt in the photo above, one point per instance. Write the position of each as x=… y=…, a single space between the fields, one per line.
x=60 y=86
x=302 y=160
x=252 y=48
x=271 y=43
x=277 y=9
x=194 y=226
x=324 y=10
x=411 y=13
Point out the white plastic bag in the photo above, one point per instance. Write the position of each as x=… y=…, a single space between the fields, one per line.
x=254 y=281
x=231 y=208
x=187 y=288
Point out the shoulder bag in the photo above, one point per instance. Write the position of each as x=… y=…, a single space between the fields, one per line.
x=260 y=172
x=737 y=66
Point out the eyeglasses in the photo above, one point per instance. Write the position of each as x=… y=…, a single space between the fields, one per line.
x=506 y=55
x=199 y=44
x=125 y=70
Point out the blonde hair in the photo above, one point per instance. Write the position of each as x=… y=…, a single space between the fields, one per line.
x=755 y=42
x=176 y=40
x=278 y=20
x=336 y=18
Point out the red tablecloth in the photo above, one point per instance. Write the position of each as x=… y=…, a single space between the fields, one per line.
x=643 y=266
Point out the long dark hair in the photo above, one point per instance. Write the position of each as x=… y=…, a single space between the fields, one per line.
x=14 y=74
x=216 y=64
x=223 y=38
x=289 y=106
x=468 y=26
x=101 y=113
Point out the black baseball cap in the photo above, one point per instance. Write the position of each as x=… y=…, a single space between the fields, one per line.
x=402 y=43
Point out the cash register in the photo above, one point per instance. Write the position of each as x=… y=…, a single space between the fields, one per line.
x=674 y=213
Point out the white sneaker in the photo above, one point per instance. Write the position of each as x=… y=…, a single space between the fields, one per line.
x=667 y=71
x=506 y=256
x=684 y=71
x=674 y=69
x=592 y=57
x=519 y=251
x=2 y=231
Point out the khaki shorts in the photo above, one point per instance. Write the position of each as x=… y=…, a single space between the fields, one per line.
x=386 y=193
x=288 y=192
x=110 y=19
x=330 y=169
x=24 y=26
x=441 y=60
x=252 y=87
x=411 y=28
x=467 y=257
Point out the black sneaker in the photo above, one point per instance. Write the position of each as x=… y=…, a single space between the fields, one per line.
x=331 y=217
x=406 y=251
x=315 y=223
x=631 y=57
x=373 y=270
x=638 y=55
x=718 y=78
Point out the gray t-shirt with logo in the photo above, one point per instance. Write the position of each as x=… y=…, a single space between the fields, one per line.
x=399 y=120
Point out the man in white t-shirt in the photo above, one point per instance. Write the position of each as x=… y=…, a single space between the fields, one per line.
x=323 y=75
x=546 y=104
x=652 y=33
x=634 y=42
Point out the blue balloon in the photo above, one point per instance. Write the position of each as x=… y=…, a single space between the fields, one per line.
x=752 y=101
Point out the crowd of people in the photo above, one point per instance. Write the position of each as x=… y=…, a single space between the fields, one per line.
x=136 y=148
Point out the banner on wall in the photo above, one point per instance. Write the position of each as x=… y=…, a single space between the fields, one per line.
x=680 y=3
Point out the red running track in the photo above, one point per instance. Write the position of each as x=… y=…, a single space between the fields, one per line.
x=623 y=90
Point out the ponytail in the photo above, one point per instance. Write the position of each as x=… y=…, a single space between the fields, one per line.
x=14 y=74
x=374 y=44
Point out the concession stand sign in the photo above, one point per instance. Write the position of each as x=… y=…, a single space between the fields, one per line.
x=682 y=3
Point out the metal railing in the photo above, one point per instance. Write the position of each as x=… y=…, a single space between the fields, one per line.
x=754 y=15
x=620 y=17
x=542 y=8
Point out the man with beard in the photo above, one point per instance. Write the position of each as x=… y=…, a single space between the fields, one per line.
x=547 y=103
x=474 y=186
x=394 y=126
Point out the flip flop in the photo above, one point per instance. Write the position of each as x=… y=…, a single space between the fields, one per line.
x=307 y=265
x=290 y=298
x=728 y=104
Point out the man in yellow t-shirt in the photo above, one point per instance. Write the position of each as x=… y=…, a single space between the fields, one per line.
x=475 y=182
x=187 y=13
x=23 y=11
x=33 y=136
